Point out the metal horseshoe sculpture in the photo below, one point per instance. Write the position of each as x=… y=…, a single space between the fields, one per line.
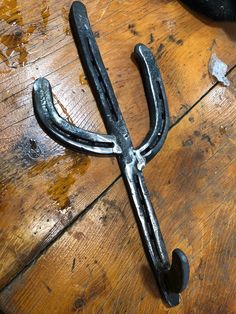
x=171 y=278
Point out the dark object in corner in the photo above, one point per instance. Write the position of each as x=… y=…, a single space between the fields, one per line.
x=172 y=278
x=218 y=10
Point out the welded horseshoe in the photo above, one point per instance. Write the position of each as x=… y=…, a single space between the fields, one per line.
x=171 y=278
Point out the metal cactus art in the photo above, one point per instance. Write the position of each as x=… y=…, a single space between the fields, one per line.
x=171 y=278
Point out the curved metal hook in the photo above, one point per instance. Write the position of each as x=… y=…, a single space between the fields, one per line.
x=174 y=280
x=64 y=132
x=171 y=278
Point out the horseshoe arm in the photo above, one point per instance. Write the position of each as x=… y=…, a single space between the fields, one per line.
x=64 y=132
x=157 y=102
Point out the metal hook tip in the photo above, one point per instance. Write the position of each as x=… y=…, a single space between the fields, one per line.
x=173 y=281
x=179 y=271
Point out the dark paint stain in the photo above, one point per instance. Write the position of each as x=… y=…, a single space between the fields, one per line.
x=47 y=287
x=33 y=144
x=152 y=39
x=73 y=265
x=103 y=219
x=111 y=210
x=160 y=50
x=184 y=107
x=79 y=303
x=180 y=42
x=132 y=29
x=196 y=133
x=129 y=241
x=28 y=151
x=191 y=119
x=187 y=143
x=112 y=204
x=206 y=137
x=35 y=151
x=171 y=38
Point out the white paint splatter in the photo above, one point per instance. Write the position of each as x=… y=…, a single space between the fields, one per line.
x=218 y=69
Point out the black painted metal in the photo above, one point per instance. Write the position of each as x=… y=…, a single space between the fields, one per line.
x=172 y=279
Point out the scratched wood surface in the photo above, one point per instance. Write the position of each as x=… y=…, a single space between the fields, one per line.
x=98 y=265
x=43 y=186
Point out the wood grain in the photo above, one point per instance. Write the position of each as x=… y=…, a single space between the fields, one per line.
x=43 y=186
x=98 y=265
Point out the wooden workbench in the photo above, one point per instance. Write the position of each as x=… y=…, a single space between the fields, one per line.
x=68 y=238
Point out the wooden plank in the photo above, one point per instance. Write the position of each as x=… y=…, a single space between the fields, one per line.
x=182 y=37
x=43 y=186
x=98 y=265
